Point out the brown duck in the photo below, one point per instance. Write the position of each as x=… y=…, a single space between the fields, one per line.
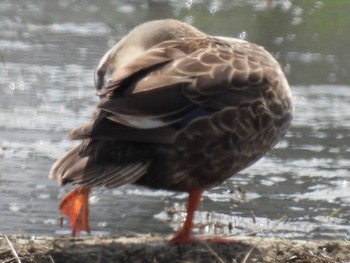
x=181 y=111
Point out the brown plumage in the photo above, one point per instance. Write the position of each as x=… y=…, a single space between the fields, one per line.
x=180 y=111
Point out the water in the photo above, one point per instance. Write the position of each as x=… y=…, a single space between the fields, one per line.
x=48 y=53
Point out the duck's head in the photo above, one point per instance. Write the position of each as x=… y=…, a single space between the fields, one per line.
x=140 y=39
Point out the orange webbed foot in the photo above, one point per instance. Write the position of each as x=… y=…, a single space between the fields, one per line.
x=75 y=205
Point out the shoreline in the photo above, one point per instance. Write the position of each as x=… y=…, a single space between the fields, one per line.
x=155 y=249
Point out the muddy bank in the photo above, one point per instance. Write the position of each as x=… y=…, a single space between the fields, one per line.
x=155 y=249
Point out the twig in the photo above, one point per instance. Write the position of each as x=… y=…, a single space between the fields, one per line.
x=284 y=218
x=246 y=257
x=277 y=251
x=51 y=259
x=5 y=251
x=303 y=252
x=7 y=260
x=253 y=216
x=214 y=253
x=13 y=250
x=335 y=212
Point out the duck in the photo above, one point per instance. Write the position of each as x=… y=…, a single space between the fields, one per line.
x=178 y=110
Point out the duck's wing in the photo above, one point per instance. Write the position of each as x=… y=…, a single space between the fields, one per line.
x=179 y=80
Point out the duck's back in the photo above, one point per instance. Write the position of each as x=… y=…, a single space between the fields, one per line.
x=243 y=108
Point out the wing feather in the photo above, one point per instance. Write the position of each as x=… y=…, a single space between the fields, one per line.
x=165 y=84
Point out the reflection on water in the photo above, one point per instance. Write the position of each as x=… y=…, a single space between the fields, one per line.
x=48 y=53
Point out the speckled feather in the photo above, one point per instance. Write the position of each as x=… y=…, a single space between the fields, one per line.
x=184 y=111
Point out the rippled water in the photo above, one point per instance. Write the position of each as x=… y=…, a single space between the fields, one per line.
x=48 y=53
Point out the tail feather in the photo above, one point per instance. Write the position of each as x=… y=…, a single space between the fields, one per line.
x=101 y=169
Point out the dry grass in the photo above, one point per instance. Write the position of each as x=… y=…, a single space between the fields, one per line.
x=154 y=249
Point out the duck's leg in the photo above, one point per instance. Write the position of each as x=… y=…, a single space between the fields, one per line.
x=184 y=236
x=75 y=205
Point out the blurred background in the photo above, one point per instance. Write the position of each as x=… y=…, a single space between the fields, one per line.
x=48 y=53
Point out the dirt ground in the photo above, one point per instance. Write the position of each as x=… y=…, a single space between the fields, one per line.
x=155 y=249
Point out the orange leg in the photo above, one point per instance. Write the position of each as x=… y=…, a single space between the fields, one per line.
x=184 y=236
x=75 y=205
